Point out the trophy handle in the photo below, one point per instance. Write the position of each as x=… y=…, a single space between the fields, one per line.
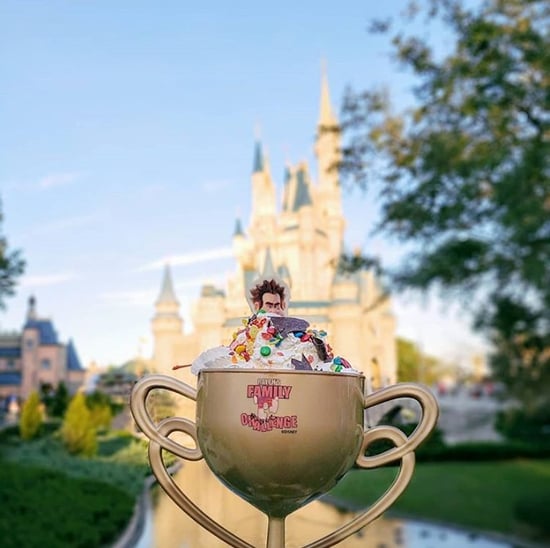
x=430 y=412
x=404 y=450
x=138 y=399
x=159 y=439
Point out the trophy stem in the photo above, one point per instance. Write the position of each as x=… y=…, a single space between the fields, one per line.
x=275 y=532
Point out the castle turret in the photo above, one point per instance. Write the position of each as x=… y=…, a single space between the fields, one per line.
x=327 y=144
x=344 y=314
x=167 y=325
x=239 y=243
x=327 y=150
x=264 y=206
x=209 y=317
x=31 y=311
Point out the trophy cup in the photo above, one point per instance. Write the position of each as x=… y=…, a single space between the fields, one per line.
x=280 y=439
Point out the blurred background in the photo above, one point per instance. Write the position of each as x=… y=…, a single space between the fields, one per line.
x=389 y=161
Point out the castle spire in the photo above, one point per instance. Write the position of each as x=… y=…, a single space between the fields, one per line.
x=167 y=294
x=238 y=228
x=264 y=202
x=31 y=312
x=326 y=115
x=258 y=158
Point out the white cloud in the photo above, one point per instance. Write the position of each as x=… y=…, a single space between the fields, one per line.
x=130 y=298
x=215 y=185
x=69 y=222
x=58 y=225
x=43 y=183
x=217 y=280
x=58 y=179
x=47 y=279
x=190 y=258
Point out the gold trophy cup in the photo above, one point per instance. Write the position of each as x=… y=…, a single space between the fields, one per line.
x=280 y=439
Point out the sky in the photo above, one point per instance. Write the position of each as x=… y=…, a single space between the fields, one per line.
x=127 y=131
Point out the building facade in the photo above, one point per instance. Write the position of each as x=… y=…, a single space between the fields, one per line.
x=34 y=357
x=299 y=241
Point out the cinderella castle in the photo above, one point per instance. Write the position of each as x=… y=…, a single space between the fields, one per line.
x=297 y=238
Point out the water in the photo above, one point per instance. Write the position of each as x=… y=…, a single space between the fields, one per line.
x=167 y=526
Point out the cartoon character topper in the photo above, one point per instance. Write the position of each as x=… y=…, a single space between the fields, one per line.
x=269 y=293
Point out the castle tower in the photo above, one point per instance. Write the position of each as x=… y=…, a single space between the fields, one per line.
x=209 y=317
x=327 y=150
x=264 y=203
x=167 y=325
x=298 y=238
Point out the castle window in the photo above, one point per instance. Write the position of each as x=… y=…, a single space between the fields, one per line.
x=11 y=363
x=45 y=363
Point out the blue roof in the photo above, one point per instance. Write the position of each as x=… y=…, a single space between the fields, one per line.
x=303 y=197
x=14 y=352
x=238 y=228
x=286 y=189
x=73 y=361
x=258 y=158
x=10 y=378
x=283 y=271
x=45 y=329
x=287 y=175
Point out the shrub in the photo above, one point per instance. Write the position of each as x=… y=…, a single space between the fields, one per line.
x=32 y=417
x=483 y=451
x=434 y=441
x=518 y=424
x=98 y=398
x=92 y=512
x=101 y=416
x=78 y=432
x=60 y=401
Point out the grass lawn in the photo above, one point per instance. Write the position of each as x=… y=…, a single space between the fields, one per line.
x=97 y=494
x=479 y=495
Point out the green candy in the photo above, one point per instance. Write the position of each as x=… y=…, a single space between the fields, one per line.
x=265 y=350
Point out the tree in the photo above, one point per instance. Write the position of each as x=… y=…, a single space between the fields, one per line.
x=77 y=431
x=60 y=400
x=32 y=417
x=414 y=366
x=11 y=267
x=464 y=174
x=100 y=406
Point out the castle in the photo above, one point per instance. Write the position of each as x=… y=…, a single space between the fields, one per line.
x=300 y=243
x=35 y=358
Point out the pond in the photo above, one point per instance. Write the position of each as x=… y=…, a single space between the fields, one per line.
x=167 y=526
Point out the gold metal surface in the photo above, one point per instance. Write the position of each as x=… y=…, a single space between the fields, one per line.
x=305 y=447
x=280 y=439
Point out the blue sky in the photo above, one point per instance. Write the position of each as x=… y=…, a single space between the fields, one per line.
x=127 y=132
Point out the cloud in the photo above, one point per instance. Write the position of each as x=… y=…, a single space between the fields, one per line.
x=190 y=258
x=43 y=183
x=58 y=225
x=147 y=297
x=47 y=279
x=68 y=222
x=130 y=298
x=217 y=280
x=210 y=187
x=58 y=179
